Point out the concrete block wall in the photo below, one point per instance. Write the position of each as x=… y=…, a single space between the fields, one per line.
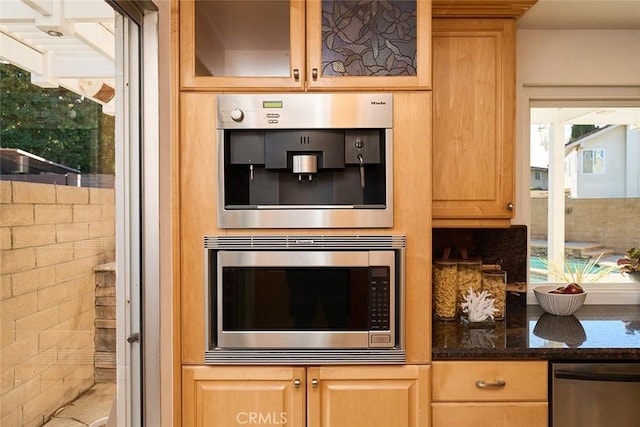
x=611 y=222
x=51 y=237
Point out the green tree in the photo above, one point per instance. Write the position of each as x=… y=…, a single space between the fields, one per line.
x=56 y=124
x=578 y=131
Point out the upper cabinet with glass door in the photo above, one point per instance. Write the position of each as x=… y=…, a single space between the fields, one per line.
x=265 y=45
x=373 y=44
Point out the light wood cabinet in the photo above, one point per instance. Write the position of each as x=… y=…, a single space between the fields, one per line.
x=473 y=122
x=196 y=215
x=497 y=414
x=492 y=394
x=372 y=396
x=230 y=396
x=296 y=45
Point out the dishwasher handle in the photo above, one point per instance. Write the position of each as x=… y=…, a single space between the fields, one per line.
x=597 y=376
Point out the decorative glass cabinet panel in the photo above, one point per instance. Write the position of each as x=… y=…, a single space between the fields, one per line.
x=369 y=38
x=369 y=44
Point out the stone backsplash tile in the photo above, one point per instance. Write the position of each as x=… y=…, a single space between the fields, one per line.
x=507 y=246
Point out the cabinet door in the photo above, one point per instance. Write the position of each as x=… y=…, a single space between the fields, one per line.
x=229 y=396
x=473 y=121
x=249 y=44
x=504 y=414
x=369 y=44
x=371 y=396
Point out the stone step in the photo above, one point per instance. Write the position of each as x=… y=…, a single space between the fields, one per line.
x=584 y=250
x=605 y=252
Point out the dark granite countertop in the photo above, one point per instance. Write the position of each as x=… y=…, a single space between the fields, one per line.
x=594 y=332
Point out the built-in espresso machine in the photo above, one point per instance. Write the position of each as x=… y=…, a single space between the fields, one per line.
x=305 y=160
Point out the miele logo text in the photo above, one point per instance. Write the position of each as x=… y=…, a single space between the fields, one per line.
x=261 y=418
x=378 y=103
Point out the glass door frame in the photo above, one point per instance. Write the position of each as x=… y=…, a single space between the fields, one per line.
x=137 y=215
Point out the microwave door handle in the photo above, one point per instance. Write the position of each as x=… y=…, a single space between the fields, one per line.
x=597 y=376
x=288 y=258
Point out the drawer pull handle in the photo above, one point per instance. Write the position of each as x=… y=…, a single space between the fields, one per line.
x=497 y=384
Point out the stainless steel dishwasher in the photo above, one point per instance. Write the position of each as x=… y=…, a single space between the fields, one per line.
x=595 y=394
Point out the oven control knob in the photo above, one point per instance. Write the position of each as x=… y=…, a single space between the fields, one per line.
x=237 y=115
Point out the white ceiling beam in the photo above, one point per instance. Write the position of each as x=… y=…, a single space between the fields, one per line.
x=603 y=115
x=55 y=21
x=16 y=12
x=74 y=86
x=97 y=37
x=43 y=7
x=21 y=55
x=88 y=11
x=43 y=81
x=46 y=79
x=82 y=68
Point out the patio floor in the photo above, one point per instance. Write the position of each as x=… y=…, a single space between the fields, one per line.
x=90 y=407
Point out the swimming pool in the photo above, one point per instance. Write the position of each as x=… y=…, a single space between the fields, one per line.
x=538 y=270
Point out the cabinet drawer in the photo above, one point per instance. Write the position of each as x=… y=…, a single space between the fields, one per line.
x=530 y=414
x=463 y=381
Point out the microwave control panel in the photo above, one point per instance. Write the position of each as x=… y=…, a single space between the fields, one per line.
x=379 y=301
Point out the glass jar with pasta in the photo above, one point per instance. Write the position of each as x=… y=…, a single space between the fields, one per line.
x=495 y=283
x=445 y=281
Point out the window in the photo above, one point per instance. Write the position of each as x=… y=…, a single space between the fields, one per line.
x=593 y=161
x=590 y=211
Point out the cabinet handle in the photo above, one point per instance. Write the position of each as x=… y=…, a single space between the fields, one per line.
x=296 y=383
x=509 y=206
x=296 y=73
x=497 y=384
x=314 y=383
x=314 y=73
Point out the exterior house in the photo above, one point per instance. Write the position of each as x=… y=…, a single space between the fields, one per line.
x=539 y=178
x=603 y=163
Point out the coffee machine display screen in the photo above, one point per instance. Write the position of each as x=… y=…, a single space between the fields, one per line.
x=271 y=104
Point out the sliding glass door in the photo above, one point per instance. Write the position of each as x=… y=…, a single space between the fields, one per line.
x=79 y=213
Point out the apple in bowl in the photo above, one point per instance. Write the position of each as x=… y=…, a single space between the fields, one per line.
x=570 y=288
x=561 y=301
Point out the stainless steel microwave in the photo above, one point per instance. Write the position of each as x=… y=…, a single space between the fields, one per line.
x=304 y=299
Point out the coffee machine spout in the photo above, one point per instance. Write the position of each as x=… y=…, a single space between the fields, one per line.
x=305 y=164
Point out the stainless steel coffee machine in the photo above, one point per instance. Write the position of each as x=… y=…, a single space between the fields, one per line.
x=305 y=160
